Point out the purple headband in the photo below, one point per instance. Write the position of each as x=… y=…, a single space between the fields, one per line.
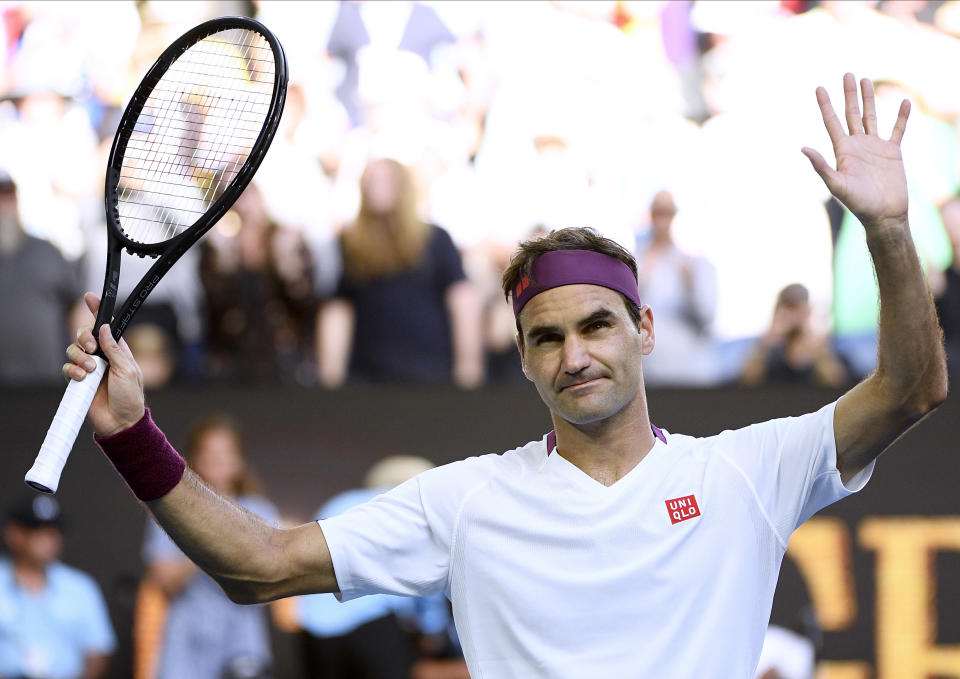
x=569 y=267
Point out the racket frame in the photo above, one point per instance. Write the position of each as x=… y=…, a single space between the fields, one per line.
x=169 y=251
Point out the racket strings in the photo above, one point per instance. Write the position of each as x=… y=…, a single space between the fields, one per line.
x=194 y=133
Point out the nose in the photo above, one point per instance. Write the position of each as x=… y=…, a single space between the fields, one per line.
x=575 y=355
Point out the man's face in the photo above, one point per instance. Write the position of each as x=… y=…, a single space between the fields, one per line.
x=790 y=318
x=37 y=546
x=380 y=188
x=218 y=460
x=583 y=351
x=662 y=212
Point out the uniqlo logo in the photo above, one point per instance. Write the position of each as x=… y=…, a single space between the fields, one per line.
x=682 y=508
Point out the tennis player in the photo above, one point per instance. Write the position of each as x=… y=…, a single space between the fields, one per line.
x=608 y=548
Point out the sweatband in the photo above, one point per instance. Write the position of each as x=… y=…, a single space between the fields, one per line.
x=570 y=267
x=144 y=458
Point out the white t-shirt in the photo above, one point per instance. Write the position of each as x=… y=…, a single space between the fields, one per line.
x=553 y=574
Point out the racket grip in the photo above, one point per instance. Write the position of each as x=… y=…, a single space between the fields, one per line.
x=44 y=475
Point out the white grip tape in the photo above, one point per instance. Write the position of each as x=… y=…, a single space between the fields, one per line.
x=44 y=475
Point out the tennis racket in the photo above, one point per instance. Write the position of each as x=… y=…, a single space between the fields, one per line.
x=189 y=142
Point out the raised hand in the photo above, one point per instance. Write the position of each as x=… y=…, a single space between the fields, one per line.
x=119 y=401
x=869 y=179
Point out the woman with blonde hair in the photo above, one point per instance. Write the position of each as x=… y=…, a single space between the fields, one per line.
x=403 y=310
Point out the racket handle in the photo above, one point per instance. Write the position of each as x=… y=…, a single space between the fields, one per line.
x=44 y=475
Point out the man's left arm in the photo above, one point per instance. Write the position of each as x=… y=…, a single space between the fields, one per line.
x=911 y=375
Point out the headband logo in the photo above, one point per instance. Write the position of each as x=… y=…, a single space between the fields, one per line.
x=522 y=285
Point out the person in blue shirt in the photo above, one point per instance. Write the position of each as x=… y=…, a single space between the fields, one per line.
x=53 y=619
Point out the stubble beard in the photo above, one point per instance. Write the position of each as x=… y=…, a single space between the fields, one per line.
x=585 y=411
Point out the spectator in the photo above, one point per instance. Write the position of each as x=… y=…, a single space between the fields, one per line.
x=682 y=290
x=206 y=636
x=153 y=349
x=946 y=287
x=51 y=149
x=403 y=309
x=34 y=321
x=258 y=283
x=54 y=623
x=792 y=351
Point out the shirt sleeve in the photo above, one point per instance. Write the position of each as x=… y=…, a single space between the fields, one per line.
x=344 y=287
x=387 y=546
x=71 y=282
x=400 y=542
x=447 y=259
x=790 y=465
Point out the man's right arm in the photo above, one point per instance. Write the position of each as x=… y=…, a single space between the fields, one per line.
x=252 y=560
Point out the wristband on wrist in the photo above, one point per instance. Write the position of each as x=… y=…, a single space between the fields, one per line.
x=144 y=458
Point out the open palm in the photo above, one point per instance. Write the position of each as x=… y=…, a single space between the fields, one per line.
x=869 y=179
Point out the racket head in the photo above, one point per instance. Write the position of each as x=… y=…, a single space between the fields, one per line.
x=193 y=135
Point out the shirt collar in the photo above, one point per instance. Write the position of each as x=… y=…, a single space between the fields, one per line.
x=552 y=437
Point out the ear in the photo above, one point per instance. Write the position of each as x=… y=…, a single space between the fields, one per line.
x=647 y=335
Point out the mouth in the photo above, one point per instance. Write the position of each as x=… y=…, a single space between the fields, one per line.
x=581 y=385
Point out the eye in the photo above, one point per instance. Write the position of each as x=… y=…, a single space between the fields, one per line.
x=547 y=338
x=599 y=325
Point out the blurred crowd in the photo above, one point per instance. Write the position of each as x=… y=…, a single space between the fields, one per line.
x=422 y=140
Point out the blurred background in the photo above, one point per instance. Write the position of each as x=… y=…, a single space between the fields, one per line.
x=359 y=274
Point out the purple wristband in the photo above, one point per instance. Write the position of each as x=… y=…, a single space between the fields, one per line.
x=144 y=458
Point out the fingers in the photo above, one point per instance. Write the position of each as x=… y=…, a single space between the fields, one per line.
x=125 y=348
x=830 y=119
x=901 y=125
x=92 y=302
x=85 y=338
x=829 y=176
x=857 y=124
x=869 y=106
x=124 y=372
x=851 y=105
x=111 y=349
x=79 y=354
x=80 y=364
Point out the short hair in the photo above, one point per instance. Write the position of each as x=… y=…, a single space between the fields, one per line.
x=795 y=293
x=571 y=238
